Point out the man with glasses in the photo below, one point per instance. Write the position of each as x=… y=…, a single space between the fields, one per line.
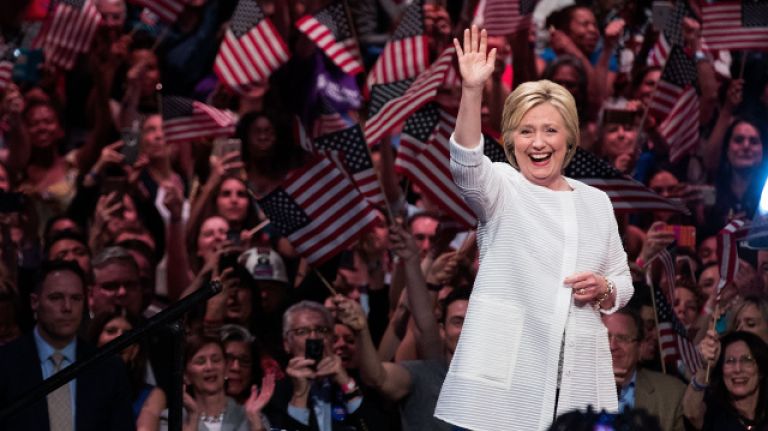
x=116 y=282
x=638 y=388
x=319 y=394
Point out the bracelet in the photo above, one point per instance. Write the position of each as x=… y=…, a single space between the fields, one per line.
x=698 y=387
x=607 y=294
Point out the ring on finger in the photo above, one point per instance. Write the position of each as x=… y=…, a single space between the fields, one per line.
x=581 y=291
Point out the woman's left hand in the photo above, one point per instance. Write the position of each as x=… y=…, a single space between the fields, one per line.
x=587 y=286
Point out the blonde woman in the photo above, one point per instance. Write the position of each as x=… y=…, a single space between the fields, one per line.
x=533 y=344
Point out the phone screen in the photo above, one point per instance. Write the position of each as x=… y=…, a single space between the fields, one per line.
x=314 y=349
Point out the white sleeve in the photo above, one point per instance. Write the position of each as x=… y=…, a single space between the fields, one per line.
x=618 y=268
x=478 y=182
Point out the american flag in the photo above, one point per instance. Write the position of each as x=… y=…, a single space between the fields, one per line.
x=671 y=35
x=626 y=194
x=727 y=250
x=736 y=25
x=331 y=30
x=356 y=160
x=251 y=50
x=319 y=210
x=186 y=119
x=673 y=337
x=328 y=120
x=70 y=32
x=406 y=54
x=392 y=103
x=424 y=157
x=502 y=17
x=167 y=10
x=679 y=74
x=681 y=127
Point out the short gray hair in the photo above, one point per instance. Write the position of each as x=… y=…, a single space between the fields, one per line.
x=111 y=255
x=306 y=305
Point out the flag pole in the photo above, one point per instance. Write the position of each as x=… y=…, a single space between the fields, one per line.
x=743 y=63
x=325 y=282
x=649 y=281
x=715 y=316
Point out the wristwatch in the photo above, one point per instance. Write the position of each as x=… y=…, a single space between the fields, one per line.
x=700 y=56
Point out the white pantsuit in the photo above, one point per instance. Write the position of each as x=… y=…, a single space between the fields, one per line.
x=504 y=372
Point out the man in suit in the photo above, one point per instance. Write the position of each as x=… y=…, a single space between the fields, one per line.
x=655 y=392
x=98 y=399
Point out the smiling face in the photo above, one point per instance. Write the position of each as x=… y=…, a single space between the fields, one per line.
x=540 y=146
x=745 y=149
x=239 y=372
x=205 y=370
x=740 y=371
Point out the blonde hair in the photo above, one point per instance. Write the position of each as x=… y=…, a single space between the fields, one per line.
x=527 y=96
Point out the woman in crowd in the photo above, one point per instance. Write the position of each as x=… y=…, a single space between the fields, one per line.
x=736 y=397
x=205 y=400
x=524 y=369
x=243 y=361
x=752 y=316
x=148 y=401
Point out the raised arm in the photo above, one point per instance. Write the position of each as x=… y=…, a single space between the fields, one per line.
x=475 y=67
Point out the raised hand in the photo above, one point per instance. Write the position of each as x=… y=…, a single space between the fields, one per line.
x=475 y=64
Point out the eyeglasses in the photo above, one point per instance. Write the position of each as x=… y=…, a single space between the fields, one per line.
x=746 y=361
x=113 y=286
x=622 y=338
x=243 y=360
x=305 y=331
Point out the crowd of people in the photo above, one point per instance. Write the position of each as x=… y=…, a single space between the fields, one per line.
x=94 y=240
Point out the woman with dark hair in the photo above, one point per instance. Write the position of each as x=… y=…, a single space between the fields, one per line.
x=205 y=400
x=148 y=401
x=268 y=150
x=569 y=72
x=243 y=357
x=741 y=172
x=737 y=396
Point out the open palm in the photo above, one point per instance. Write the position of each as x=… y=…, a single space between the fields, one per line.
x=475 y=64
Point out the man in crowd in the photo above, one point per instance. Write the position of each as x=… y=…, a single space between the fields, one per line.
x=638 y=388
x=97 y=399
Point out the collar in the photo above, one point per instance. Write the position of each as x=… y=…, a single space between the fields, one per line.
x=45 y=350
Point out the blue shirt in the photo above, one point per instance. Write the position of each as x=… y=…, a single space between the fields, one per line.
x=627 y=394
x=548 y=55
x=44 y=352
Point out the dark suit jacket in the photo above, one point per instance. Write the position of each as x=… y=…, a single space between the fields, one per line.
x=661 y=395
x=102 y=398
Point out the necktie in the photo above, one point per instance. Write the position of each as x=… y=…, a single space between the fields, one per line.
x=59 y=401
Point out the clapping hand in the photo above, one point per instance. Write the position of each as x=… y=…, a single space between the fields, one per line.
x=475 y=65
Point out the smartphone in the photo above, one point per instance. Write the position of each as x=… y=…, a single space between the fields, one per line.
x=117 y=184
x=228 y=260
x=27 y=65
x=130 y=148
x=11 y=202
x=314 y=349
x=224 y=146
x=685 y=235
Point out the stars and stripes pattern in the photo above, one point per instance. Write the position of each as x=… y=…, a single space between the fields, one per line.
x=673 y=337
x=681 y=127
x=328 y=120
x=671 y=35
x=392 y=103
x=727 y=249
x=166 y=10
x=626 y=194
x=406 y=54
x=319 y=210
x=736 y=25
x=503 y=17
x=424 y=157
x=186 y=119
x=331 y=31
x=251 y=50
x=679 y=74
x=70 y=32
x=356 y=160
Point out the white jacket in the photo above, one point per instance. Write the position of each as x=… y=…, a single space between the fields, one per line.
x=503 y=375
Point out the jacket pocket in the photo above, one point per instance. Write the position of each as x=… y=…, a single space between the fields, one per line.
x=490 y=341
